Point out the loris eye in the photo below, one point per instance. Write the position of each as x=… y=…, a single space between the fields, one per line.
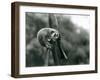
x=55 y=35
x=52 y=32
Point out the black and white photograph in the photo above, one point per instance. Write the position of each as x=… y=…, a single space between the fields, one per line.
x=57 y=39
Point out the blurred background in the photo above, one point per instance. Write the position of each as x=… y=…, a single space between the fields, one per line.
x=74 y=30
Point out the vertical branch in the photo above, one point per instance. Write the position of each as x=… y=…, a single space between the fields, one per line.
x=50 y=20
x=55 y=55
x=47 y=57
x=53 y=22
x=61 y=50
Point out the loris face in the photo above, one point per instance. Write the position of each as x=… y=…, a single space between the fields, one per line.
x=47 y=37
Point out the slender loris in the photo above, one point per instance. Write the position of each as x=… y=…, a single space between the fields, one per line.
x=51 y=40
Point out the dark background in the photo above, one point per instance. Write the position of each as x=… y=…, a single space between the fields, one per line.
x=75 y=44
